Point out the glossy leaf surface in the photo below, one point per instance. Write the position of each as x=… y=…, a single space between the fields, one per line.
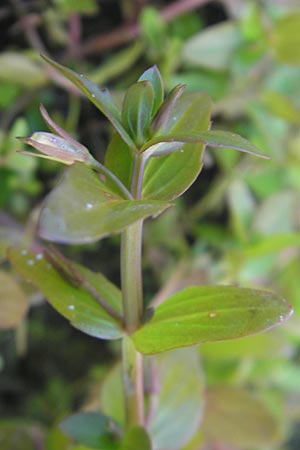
x=210 y=313
x=75 y=304
x=90 y=428
x=83 y=209
x=137 y=110
x=236 y=417
x=100 y=97
x=179 y=399
x=13 y=303
x=167 y=177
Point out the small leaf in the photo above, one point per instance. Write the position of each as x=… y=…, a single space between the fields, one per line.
x=136 y=438
x=75 y=304
x=179 y=398
x=153 y=75
x=210 y=313
x=236 y=417
x=137 y=110
x=100 y=97
x=13 y=303
x=83 y=209
x=90 y=428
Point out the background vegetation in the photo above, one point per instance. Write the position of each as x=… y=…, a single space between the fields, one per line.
x=239 y=224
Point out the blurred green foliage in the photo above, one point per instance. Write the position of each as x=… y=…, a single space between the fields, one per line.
x=238 y=225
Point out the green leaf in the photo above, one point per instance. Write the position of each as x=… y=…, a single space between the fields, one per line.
x=137 y=110
x=286 y=39
x=236 y=417
x=100 y=97
x=83 y=209
x=119 y=160
x=136 y=438
x=214 y=138
x=75 y=304
x=179 y=401
x=167 y=177
x=13 y=303
x=153 y=75
x=92 y=429
x=210 y=313
x=212 y=48
x=21 y=70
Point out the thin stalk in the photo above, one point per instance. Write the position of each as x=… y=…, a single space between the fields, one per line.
x=132 y=292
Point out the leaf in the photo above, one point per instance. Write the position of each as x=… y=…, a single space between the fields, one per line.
x=136 y=438
x=236 y=417
x=119 y=160
x=75 y=304
x=214 y=138
x=153 y=75
x=90 y=428
x=179 y=400
x=137 y=110
x=100 y=97
x=286 y=39
x=21 y=70
x=212 y=48
x=13 y=303
x=83 y=209
x=167 y=177
x=210 y=313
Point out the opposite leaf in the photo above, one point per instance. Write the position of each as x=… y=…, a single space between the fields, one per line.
x=84 y=209
x=75 y=304
x=210 y=313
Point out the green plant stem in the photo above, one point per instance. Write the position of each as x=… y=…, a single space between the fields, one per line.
x=132 y=293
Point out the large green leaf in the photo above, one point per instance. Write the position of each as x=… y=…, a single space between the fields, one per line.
x=100 y=97
x=13 y=303
x=179 y=399
x=210 y=313
x=236 y=417
x=83 y=209
x=75 y=304
x=167 y=177
x=90 y=428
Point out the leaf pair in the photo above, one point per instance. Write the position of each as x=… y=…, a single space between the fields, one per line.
x=194 y=315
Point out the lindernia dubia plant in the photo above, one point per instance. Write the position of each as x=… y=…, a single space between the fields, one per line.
x=154 y=156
